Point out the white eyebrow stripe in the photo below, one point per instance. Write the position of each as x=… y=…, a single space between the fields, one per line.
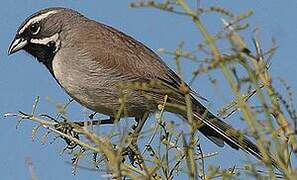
x=46 y=40
x=36 y=19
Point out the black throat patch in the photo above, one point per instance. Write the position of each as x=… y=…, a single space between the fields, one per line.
x=44 y=54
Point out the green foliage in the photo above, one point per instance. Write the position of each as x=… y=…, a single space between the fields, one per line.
x=164 y=150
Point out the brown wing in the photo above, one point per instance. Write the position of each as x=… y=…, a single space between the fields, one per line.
x=124 y=56
x=134 y=58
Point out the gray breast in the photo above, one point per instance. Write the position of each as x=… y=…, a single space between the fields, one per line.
x=93 y=87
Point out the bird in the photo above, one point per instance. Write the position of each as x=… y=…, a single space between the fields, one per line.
x=93 y=61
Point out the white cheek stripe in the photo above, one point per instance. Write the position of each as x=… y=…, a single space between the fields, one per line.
x=46 y=40
x=36 y=19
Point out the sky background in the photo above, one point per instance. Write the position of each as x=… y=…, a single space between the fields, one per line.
x=22 y=78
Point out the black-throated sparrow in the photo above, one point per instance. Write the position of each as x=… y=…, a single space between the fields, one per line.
x=89 y=60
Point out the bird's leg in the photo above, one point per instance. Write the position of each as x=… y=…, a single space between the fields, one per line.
x=138 y=127
x=92 y=122
x=132 y=150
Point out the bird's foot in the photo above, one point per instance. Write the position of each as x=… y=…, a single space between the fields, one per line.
x=67 y=128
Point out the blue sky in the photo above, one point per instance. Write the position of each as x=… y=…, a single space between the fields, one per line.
x=22 y=78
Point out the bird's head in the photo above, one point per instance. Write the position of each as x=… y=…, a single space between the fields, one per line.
x=40 y=34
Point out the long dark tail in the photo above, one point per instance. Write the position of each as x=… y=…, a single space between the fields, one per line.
x=219 y=132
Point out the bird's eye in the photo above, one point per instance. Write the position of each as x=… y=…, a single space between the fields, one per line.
x=34 y=29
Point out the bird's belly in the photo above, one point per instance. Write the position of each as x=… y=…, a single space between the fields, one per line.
x=97 y=93
x=77 y=86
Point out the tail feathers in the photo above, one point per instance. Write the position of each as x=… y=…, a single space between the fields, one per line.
x=219 y=132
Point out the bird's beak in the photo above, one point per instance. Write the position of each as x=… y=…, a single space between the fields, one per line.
x=17 y=44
